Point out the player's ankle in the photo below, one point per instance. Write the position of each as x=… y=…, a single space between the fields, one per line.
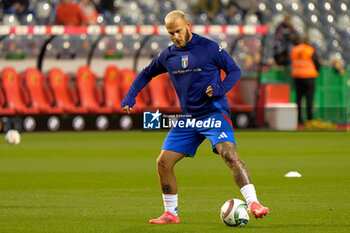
x=170 y=203
x=173 y=212
x=249 y=194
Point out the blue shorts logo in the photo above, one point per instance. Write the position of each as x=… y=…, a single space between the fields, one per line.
x=151 y=120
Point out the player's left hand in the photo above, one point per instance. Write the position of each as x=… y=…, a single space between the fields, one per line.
x=127 y=109
x=209 y=91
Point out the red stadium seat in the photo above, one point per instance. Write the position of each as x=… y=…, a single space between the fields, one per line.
x=90 y=95
x=236 y=101
x=171 y=92
x=40 y=95
x=65 y=97
x=4 y=109
x=158 y=92
x=16 y=95
x=235 y=98
x=143 y=98
x=112 y=88
x=277 y=93
x=271 y=94
x=163 y=94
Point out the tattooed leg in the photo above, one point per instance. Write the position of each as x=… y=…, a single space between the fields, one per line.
x=166 y=189
x=229 y=154
x=165 y=166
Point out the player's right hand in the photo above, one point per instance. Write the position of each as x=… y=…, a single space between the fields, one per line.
x=127 y=109
x=209 y=91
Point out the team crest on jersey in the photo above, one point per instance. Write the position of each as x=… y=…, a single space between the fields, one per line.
x=184 y=61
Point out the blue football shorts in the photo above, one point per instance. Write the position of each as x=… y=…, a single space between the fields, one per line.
x=189 y=133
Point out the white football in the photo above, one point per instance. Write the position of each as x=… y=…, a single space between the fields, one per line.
x=234 y=213
x=13 y=137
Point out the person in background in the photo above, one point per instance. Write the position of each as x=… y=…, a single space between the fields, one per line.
x=231 y=10
x=211 y=7
x=305 y=65
x=106 y=7
x=89 y=12
x=16 y=7
x=68 y=13
x=285 y=36
x=248 y=7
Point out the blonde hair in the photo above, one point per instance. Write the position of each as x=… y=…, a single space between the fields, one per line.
x=171 y=16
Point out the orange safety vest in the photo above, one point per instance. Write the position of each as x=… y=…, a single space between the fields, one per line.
x=302 y=63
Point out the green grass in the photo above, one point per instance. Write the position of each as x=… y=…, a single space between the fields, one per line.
x=107 y=182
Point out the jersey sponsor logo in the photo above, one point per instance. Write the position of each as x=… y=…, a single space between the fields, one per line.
x=186 y=71
x=222 y=135
x=184 y=61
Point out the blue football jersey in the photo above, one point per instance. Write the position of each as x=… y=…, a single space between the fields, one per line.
x=192 y=69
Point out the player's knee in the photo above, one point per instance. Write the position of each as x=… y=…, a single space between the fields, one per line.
x=228 y=156
x=228 y=152
x=162 y=164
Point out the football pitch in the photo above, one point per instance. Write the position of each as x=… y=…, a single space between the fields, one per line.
x=107 y=182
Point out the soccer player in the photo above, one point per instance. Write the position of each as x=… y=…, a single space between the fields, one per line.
x=194 y=63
